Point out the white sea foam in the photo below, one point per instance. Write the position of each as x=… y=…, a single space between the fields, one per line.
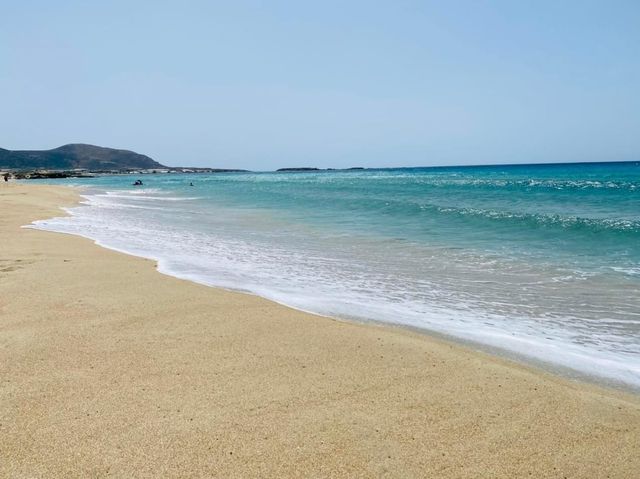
x=138 y=196
x=629 y=271
x=363 y=284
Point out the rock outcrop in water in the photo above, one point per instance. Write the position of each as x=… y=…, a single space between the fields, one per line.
x=304 y=168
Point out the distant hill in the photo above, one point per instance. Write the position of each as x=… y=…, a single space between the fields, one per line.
x=73 y=156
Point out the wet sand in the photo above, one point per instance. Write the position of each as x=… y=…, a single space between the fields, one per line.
x=111 y=369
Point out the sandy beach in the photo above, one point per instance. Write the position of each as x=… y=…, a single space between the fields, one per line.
x=111 y=369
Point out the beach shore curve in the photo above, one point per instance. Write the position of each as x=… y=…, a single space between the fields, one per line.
x=109 y=369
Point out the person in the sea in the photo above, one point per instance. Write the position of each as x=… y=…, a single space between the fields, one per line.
x=137 y=183
x=6 y=177
x=191 y=184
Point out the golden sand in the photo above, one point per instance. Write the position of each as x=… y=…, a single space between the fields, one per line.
x=110 y=369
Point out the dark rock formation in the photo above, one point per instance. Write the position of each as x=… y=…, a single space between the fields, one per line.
x=299 y=169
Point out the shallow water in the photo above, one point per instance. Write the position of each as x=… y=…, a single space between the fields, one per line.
x=538 y=260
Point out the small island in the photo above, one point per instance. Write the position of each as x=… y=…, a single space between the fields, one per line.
x=303 y=169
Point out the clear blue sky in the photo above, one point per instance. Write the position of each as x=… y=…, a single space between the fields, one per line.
x=262 y=85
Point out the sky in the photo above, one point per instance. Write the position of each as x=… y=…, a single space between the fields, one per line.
x=268 y=84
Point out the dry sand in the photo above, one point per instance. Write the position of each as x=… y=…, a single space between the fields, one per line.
x=108 y=368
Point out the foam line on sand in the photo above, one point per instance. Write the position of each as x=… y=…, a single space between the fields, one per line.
x=109 y=369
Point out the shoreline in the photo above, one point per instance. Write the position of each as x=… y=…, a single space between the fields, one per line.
x=330 y=396
x=493 y=348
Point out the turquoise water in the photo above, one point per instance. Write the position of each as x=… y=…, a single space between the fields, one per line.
x=540 y=261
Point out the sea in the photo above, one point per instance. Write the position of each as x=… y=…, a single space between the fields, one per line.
x=539 y=263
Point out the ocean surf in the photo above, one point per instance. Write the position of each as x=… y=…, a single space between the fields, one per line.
x=538 y=261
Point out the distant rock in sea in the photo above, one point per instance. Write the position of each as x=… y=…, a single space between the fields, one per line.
x=76 y=156
x=299 y=169
x=306 y=168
